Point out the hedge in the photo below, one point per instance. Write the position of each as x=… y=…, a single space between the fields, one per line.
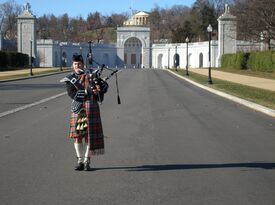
x=13 y=59
x=257 y=61
x=262 y=61
x=237 y=61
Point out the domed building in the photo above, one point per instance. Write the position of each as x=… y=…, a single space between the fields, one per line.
x=139 y=19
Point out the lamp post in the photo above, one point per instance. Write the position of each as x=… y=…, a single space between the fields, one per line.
x=209 y=30
x=61 y=57
x=168 y=58
x=21 y=37
x=80 y=50
x=187 y=63
x=30 y=60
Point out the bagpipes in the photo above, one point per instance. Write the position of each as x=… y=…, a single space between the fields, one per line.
x=95 y=78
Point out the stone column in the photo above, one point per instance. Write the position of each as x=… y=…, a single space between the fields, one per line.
x=227 y=37
x=26 y=32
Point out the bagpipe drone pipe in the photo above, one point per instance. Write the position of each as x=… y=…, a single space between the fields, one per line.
x=95 y=75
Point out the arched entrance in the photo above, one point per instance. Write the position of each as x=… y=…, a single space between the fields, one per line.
x=201 y=60
x=176 y=60
x=64 y=59
x=160 y=56
x=132 y=53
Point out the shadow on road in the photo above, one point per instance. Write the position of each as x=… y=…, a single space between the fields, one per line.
x=168 y=167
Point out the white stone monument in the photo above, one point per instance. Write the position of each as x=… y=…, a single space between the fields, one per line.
x=133 y=47
x=133 y=42
x=227 y=37
x=26 y=32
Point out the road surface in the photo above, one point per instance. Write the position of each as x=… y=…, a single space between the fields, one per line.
x=167 y=143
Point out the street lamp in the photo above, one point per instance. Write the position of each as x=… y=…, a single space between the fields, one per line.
x=187 y=63
x=168 y=58
x=30 y=60
x=80 y=50
x=61 y=57
x=209 y=30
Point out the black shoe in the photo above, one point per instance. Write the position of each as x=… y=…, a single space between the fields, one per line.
x=79 y=167
x=87 y=167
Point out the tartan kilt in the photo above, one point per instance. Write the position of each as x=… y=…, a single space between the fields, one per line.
x=95 y=132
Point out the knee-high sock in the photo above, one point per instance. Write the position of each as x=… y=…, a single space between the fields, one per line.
x=87 y=153
x=79 y=151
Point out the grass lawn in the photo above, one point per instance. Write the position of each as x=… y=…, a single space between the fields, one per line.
x=259 y=96
x=26 y=73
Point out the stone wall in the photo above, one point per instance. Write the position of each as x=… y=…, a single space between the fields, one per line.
x=163 y=55
x=54 y=53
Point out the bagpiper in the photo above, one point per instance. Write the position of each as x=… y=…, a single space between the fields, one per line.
x=85 y=121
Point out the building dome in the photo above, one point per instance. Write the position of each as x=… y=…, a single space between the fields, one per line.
x=139 y=19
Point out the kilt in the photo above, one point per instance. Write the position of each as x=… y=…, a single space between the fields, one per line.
x=95 y=132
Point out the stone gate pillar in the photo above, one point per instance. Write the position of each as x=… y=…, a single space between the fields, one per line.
x=227 y=34
x=26 y=32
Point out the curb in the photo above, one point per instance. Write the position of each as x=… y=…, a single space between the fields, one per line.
x=246 y=103
x=35 y=76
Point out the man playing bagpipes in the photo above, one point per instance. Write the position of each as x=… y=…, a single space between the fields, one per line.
x=85 y=91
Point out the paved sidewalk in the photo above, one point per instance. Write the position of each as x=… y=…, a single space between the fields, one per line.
x=267 y=84
x=25 y=73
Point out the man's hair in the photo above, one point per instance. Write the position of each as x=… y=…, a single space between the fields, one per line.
x=78 y=58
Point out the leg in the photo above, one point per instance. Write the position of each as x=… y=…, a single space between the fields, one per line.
x=87 y=156
x=79 y=153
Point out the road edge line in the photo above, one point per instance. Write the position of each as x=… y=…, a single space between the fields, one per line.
x=31 y=105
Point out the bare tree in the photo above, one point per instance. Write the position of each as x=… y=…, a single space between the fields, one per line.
x=256 y=20
x=94 y=24
x=115 y=20
x=8 y=13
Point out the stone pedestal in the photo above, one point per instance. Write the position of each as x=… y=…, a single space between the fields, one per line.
x=227 y=37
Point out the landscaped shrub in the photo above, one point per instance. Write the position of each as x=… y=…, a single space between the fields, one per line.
x=262 y=61
x=13 y=59
x=237 y=61
x=3 y=59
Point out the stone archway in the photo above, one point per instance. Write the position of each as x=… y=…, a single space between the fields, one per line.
x=176 y=60
x=201 y=60
x=64 y=59
x=133 y=53
x=190 y=60
x=133 y=47
x=160 y=57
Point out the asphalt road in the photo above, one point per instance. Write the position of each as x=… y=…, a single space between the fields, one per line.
x=23 y=92
x=167 y=143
